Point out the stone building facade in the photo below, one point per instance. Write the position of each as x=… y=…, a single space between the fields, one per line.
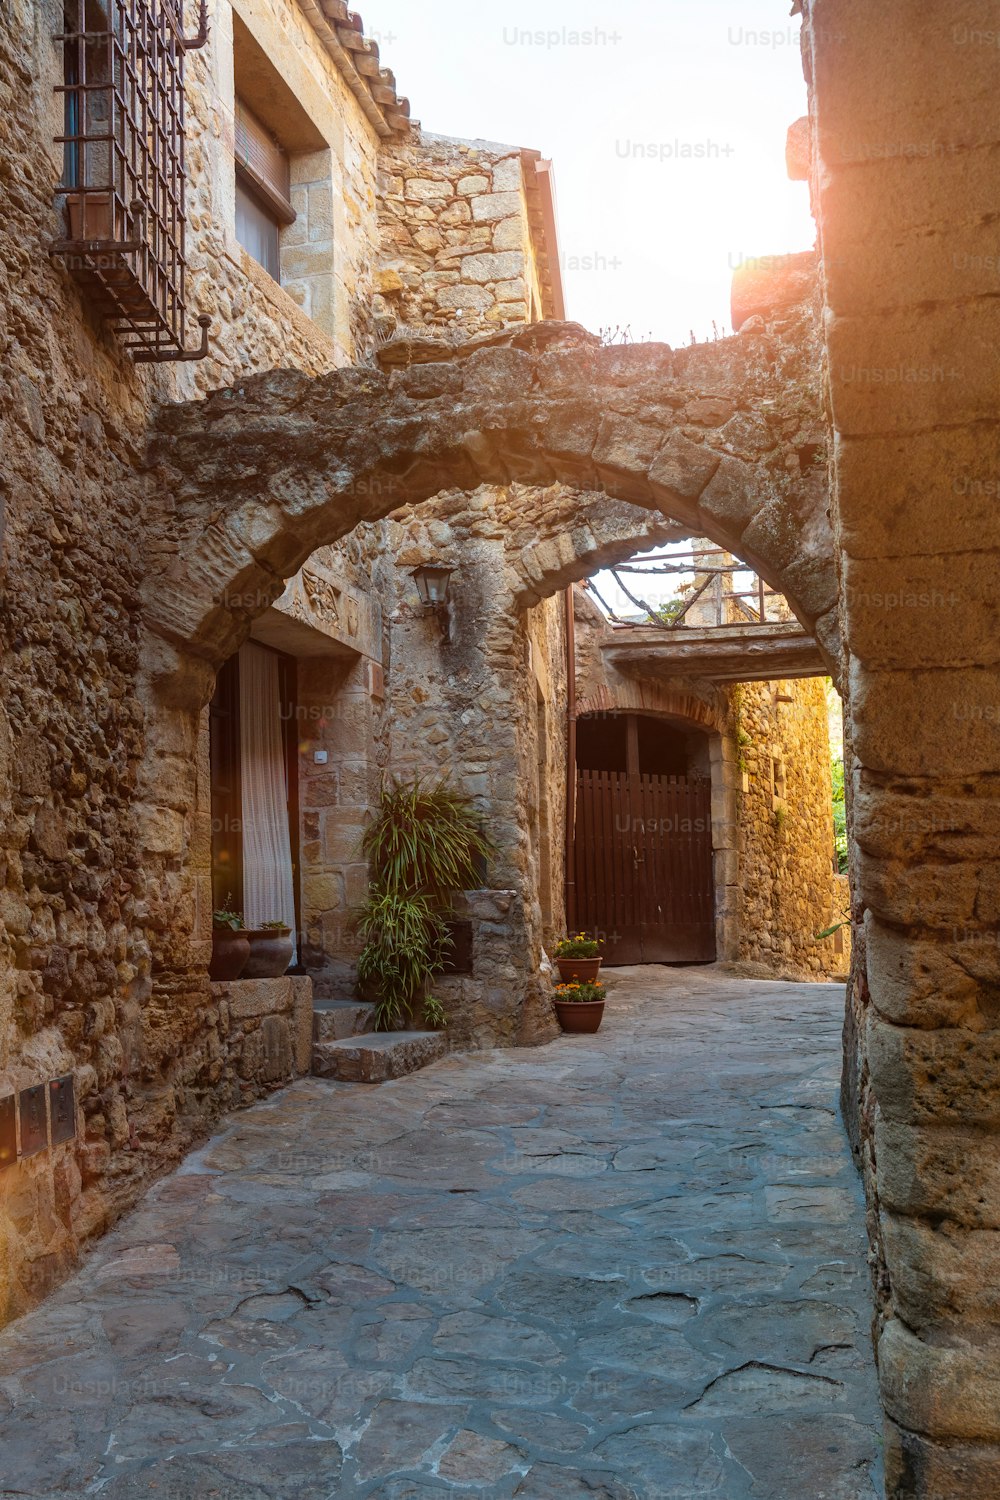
x=95 y=877
x=107 y=863
x=405 y=291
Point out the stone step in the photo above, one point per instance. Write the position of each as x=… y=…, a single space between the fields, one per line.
x=335 y=1019
x=376 y=1058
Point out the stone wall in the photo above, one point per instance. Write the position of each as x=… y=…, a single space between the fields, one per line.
x=83 y=864
x=903 y=176
x=465 y=707
x=790 y=891
x=74 y=958
x=319 y=315
x=457 y=253
x=265 y=1029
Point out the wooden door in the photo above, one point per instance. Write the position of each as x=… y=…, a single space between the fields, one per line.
x=643 y=866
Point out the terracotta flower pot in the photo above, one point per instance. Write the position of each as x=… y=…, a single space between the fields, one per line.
x=230 y=951
x=585 y=970
x=270 y=952
x=580 y=1016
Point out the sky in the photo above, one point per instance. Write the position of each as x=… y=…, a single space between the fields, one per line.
x=665 y=121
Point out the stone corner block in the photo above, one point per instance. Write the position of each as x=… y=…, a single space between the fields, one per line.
x=251 y=998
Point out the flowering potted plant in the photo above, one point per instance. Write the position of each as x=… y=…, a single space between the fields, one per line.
x=270 y=951
x=578 y=958
x=580 y=1007
x=230 y=944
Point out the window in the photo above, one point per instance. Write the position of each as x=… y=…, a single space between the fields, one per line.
x=257 y=230
x=263 y=190
x=123 y=180
x=86 y=101
x=280 y=154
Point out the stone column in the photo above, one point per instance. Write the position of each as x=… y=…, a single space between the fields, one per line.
x=334 y=702
x=907 y=146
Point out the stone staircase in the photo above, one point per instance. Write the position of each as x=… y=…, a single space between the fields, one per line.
x=347 y=1047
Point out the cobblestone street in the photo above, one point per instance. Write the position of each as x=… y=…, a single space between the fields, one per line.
x=631 y=1265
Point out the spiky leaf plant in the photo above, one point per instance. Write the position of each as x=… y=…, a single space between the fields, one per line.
x=425 y=839
x=424 y=846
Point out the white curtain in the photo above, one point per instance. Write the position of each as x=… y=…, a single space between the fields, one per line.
x=268 y=888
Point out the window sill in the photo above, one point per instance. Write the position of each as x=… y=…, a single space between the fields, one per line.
x=283 y=305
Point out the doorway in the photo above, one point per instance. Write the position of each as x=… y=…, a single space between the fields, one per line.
x=254 y=787
x=643 y=863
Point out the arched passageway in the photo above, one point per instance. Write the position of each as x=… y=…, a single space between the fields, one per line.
x=716 y=440
x=721 y=438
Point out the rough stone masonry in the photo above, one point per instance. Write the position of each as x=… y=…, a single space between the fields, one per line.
x=115 y=576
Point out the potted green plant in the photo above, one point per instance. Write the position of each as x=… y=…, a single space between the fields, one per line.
x=578 y=957
x=424 y=845
x=230 y=944
x=580 y=1007
x=271 y=950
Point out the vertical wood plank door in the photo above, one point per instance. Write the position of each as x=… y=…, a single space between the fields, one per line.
x=643 y=866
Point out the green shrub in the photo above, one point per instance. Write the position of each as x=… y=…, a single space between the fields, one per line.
x=425 y=845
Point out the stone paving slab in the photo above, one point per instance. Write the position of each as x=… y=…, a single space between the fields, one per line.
x=627 y=1266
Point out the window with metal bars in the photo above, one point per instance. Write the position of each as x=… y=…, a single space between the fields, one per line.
x=123 y=185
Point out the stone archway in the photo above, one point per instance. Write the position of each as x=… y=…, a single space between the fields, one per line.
x=716 y=440
x=721 y=438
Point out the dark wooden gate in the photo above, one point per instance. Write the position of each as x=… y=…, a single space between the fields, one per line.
x=643 y=867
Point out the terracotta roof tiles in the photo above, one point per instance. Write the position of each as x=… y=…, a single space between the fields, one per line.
x=357 y=57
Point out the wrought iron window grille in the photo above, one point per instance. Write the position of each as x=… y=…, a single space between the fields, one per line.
x=123 y=187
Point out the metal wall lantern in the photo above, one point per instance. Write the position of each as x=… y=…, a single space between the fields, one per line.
x=434 y=587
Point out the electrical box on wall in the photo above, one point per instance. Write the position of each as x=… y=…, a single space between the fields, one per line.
x=34 y=1120
x=62 y=1109
x=8 y=1131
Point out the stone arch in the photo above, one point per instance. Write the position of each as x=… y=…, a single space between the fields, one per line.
x=244 y=486
x=561 y=536
x=251 y=481
x=636 y=696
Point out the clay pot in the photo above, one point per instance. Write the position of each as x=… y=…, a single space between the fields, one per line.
x=270 y=952
x=230 y=951
x=584 y=970
x=580 y=1016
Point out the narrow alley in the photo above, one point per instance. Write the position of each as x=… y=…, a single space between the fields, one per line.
x=629 y=1265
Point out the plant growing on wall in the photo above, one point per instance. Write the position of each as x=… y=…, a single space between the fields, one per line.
x=839 y=812
x=743 y=739
x=424 y=846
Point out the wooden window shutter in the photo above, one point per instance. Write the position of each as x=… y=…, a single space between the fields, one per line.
x=262 y=163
